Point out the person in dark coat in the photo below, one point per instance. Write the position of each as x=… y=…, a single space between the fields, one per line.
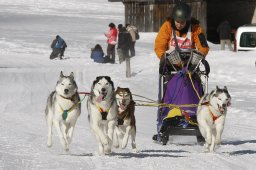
x=224 y=30
x=97 y=54
x=124 y=44
x=58 y=47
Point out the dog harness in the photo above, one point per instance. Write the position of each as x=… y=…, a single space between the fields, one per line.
x=104 y=114
x=213 y=116
x=65 y=112
x=121 y=116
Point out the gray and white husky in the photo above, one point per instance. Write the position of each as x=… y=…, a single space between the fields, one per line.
x=211 y=114
x=102 y=112
x=62 y=109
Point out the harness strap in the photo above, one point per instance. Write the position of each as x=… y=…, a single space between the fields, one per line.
x=104 y=114
x=65 y=112
x=213 y=116
x=68 y=98
x=120 y=117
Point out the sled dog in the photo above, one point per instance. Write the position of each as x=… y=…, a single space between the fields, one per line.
x=211 y=114
x=62 y=109
x=125 y=119
x=102 y=110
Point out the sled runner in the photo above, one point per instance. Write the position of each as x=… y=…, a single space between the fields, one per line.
x=180 y=84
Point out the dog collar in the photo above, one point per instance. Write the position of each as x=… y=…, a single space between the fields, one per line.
x=68 y=98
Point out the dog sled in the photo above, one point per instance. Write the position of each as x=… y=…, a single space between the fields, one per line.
x=183 y=79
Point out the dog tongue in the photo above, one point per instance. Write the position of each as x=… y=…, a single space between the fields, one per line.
x=122 y=107
x=99 y=98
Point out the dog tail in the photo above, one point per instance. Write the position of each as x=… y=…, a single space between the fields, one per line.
x=49 y=104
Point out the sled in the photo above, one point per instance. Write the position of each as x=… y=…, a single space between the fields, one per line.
x=180 y=123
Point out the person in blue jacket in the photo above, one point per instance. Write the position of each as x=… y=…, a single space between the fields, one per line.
x=58 y=47
x=97 y=54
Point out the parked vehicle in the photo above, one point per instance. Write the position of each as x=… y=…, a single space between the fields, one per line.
x=246 y=38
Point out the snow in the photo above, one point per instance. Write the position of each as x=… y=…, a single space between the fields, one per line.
x=27 y=28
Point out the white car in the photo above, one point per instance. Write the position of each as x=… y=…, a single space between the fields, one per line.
x=246 y=37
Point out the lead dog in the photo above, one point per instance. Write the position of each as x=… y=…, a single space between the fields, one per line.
x=211 y=114
x=126 y=119
x=63 y=108
x=102 y=110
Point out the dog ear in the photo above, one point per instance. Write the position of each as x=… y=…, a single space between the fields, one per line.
x=108 y=78
x=225 y=88
x=217 y=87
x=128 y=90
x=61 y=74
x=98 y=77
x=71 y=75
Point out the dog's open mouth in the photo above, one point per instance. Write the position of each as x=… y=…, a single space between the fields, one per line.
x=101 y=97
x=122 y=106
x=221 y=109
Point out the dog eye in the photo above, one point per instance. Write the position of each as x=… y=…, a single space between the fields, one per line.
x=107 y=83
x=62 y=84
x=219 y=98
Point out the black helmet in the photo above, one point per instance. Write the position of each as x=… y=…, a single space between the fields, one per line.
x=181 y=12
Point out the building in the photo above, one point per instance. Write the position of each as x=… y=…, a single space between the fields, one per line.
x=148 y=15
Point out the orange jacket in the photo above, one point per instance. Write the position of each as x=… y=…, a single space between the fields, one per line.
x=164 y=35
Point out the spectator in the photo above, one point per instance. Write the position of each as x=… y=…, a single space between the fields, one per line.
x=123 y=46
x=224 y=30
x=111 y=40
x=58 y=48
x=97 y=54
x=132 y=30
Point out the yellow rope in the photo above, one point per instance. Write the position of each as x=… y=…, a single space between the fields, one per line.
x=166 y=105
x=189 y=74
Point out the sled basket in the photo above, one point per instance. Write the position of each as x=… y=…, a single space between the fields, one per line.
x=174 y=57
x=196 y=57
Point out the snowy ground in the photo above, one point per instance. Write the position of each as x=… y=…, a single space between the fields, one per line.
x=27 y=28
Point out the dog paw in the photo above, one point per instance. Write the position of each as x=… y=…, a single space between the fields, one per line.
x=107 y=150
x=124 y=145
x=66 y=149
x=116 y=145
x=206 y=150
x=49 y=144
x=135 y=150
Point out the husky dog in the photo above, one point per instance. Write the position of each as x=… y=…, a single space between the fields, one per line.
x=63 y=108
x=211 y=114
x=102 y=110
x=126 y=119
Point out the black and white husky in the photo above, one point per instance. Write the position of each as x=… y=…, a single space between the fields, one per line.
x=211 y=114
x=62 y=109
x=102 y=112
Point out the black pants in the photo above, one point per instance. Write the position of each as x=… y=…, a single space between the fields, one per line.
x=56 y=52
x=132 y=49
x=111 y=52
